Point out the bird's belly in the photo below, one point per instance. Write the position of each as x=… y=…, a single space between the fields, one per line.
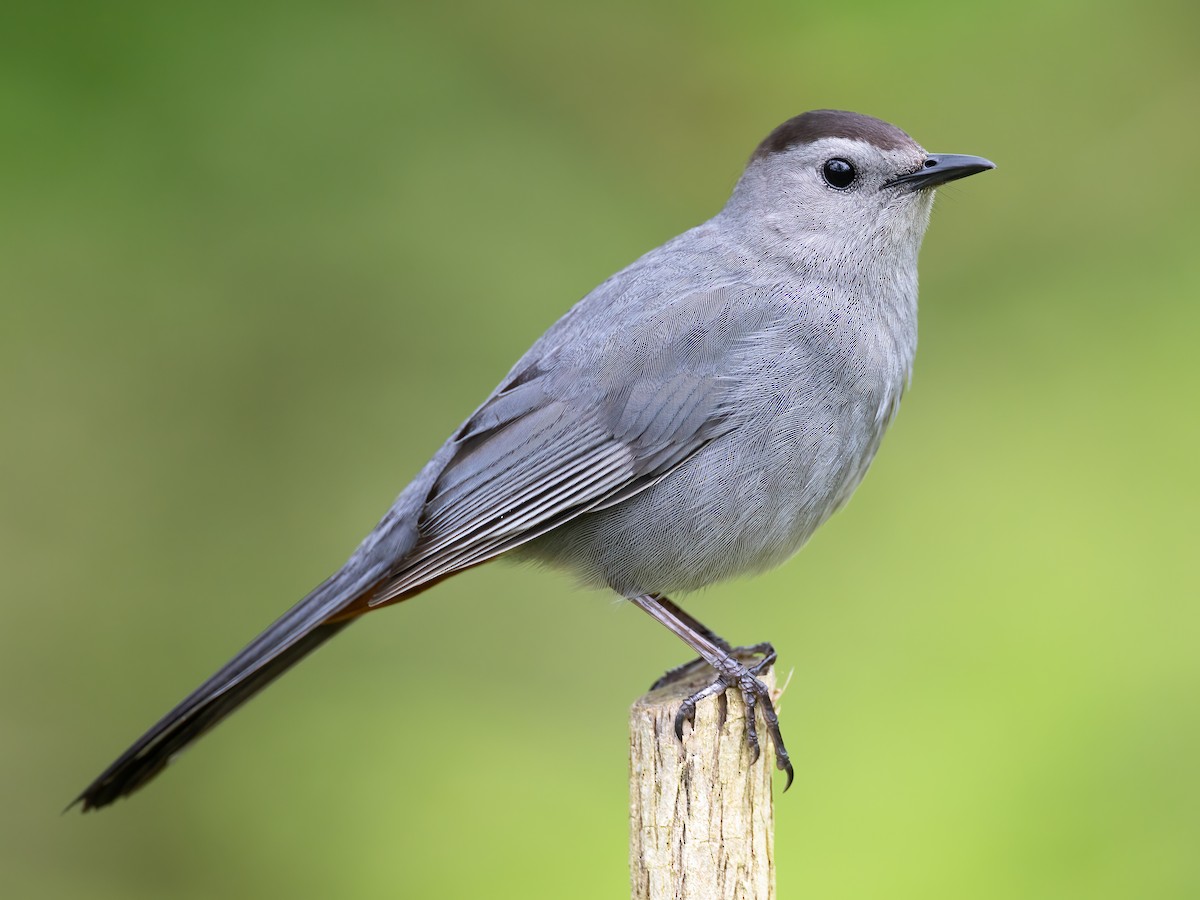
x=744 y=503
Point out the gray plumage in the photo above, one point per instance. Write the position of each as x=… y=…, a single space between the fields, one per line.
x=695 y=417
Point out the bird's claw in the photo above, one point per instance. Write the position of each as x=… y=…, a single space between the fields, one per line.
x=687 y=713
x=732 y=673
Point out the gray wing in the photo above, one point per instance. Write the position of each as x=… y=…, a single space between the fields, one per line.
x=578 y=426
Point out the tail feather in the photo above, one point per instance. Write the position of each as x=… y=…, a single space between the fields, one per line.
x=297 y=633
x=192 y=718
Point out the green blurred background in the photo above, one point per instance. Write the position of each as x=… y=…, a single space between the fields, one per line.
x=257 y=260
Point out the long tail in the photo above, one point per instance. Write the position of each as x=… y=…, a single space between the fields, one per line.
x=299 y=632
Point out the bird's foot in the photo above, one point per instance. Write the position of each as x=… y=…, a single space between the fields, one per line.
x=689 y=669
x=733 y=673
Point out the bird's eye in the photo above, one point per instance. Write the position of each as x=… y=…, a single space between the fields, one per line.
x=838 y=173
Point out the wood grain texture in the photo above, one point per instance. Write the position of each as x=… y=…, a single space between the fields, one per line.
x=702 y=821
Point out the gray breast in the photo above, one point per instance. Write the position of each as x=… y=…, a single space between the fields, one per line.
x=809 y=391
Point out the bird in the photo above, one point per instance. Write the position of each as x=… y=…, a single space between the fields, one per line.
x=694 y=418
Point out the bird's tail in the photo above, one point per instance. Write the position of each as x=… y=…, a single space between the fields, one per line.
x=299 y=632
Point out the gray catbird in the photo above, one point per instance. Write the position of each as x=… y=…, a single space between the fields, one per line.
x=693 y=418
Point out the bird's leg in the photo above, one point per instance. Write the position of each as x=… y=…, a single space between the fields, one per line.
x=731 y=671
x=687 y=669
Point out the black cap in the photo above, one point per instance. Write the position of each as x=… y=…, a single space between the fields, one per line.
x=833 y=123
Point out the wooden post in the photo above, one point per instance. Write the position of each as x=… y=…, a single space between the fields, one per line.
x=702 y=823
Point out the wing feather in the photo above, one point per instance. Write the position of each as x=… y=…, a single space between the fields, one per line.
x=577 y=427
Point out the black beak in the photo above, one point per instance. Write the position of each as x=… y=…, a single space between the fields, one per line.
x=940 y=168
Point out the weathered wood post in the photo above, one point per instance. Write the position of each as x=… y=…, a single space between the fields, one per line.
x=702 y=823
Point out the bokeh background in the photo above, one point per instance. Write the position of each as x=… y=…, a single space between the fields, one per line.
x=257 y=260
